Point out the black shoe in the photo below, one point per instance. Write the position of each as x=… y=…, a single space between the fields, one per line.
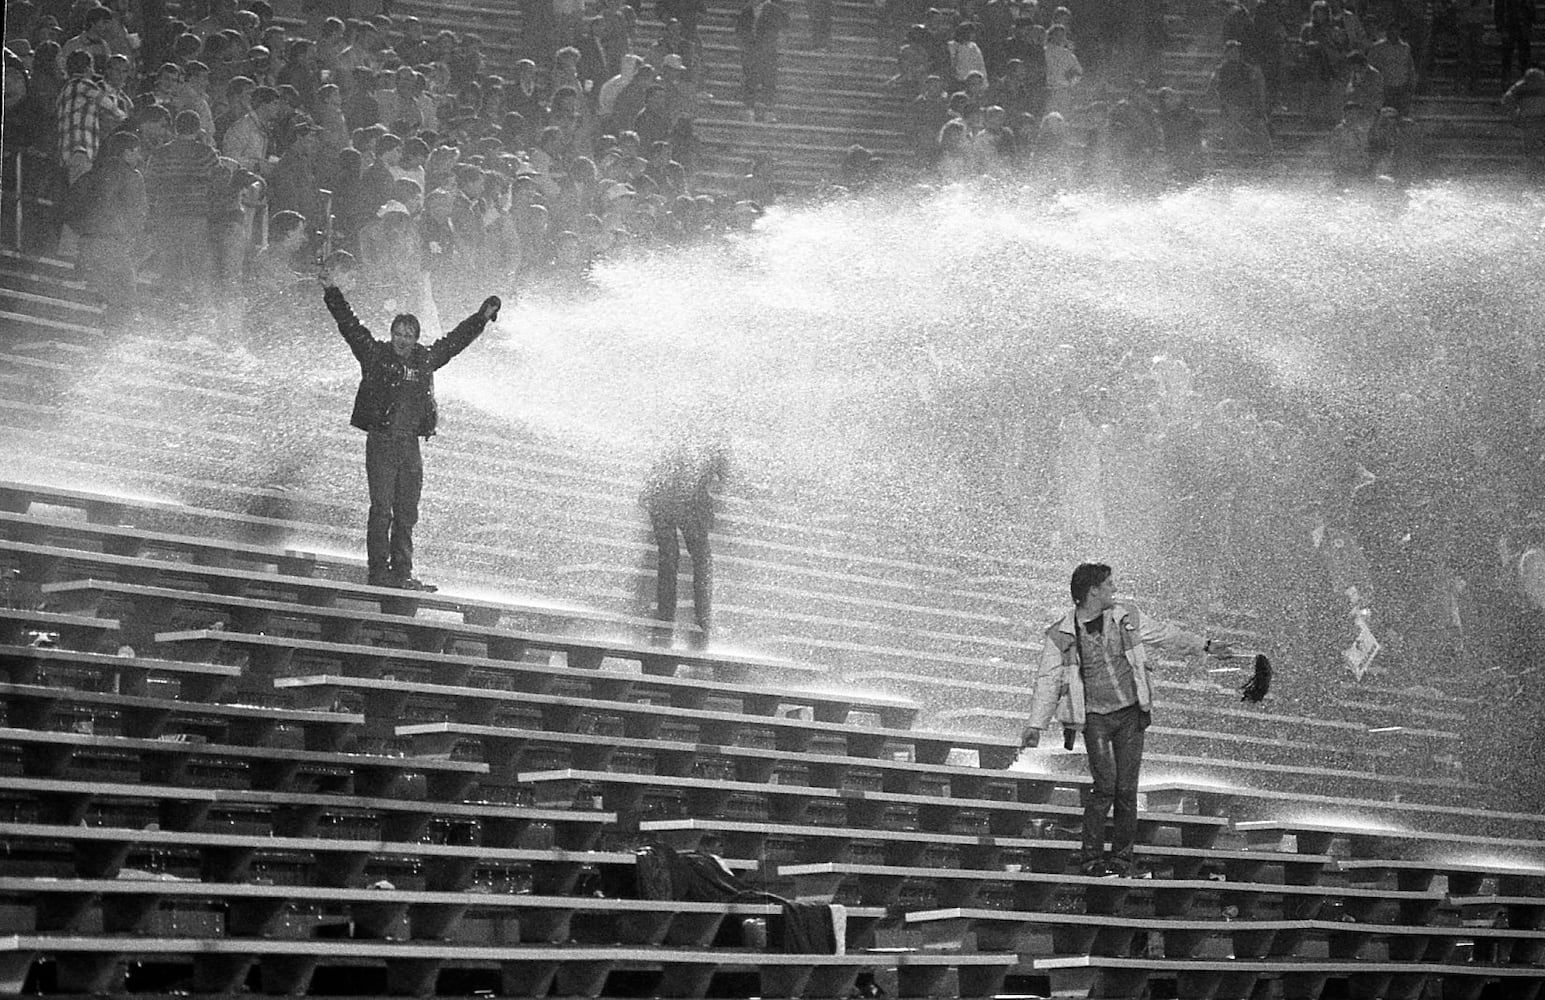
x=1095 y=868
x=414 y=583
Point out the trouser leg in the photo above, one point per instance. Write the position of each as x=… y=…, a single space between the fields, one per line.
x=1127 y=747
x=1098 y=728
x=409 y=487
x=695 y=534
x=381 y=477
x=667 y=564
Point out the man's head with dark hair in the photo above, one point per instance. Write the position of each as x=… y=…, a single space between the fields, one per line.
x=262 y=97
x=77 y=63
x=117 y=71
x=95 y=18
x=1086 y=577
x=187 y=123
x=389 y=149
x=121 y=145
x=153 y=122
x=405 y=331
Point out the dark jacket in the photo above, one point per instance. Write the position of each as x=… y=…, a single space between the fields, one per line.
x=381 y=371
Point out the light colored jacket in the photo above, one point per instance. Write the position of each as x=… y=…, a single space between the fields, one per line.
x=1059 y=684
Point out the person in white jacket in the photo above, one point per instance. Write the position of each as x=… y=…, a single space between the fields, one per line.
x=1094 y=665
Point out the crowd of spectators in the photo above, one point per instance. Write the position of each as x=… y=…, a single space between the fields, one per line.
x=1074 y=90
x=173 y=137
x=211 y=147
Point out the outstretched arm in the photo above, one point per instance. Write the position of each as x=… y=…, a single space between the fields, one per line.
x=354 y=333
x=459 y=339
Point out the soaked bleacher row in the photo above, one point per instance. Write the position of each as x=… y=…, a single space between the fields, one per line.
x=294 y=783
x=815 y=591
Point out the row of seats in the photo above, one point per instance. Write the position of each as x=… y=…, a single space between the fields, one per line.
x=487 y=831
x=980 y=637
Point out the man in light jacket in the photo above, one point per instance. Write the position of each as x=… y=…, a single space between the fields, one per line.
x=1094 y=664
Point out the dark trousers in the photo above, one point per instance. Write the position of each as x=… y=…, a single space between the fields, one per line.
x=1114 y=741
x=694 y=531
x=395 y=472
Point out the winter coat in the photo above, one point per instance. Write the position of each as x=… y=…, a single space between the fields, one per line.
x=382 y=371
x=1059 y=682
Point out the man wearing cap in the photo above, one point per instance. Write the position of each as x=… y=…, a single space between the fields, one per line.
x=1093 y=674
x=395 y=406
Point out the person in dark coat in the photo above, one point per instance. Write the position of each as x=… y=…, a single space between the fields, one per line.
x=395 y=407
x=679 y=498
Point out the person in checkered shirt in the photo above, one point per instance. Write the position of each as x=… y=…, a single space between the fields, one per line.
x=84 y=111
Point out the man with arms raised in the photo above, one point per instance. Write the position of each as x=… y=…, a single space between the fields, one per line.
x=395 y=406
x=1094 y=661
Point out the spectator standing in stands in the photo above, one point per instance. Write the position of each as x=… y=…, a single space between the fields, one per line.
x=759 y=28
x=412 y=48
x=302 y=70
x=1241 y=95
x=83 y=113
x=360 y=108
x=93 y=39
x=965 y=54
x=114 y=81
x=1063 y=70
x=1365 y=85
x=929 y=111
x=246 y=141
x=168 y=84
x=107 y=208
x=1092 y=674
x=1391 y=56
x=690 y=14
x=653 y=122
x=327 y=112
x=615 y=32
x=995 y=26
x=395 y=407
x=235 y=104
x=1267 y=46
x=292 y=185
x=1323 y=50
x=1471 y=18
x=178 y=180
x=235 y=194
x=678 y=496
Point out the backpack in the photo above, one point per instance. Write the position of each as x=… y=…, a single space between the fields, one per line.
x=652 y=868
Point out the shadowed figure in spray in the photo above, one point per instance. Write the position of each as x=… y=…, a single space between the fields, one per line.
x=678 y=495
x=395 y=406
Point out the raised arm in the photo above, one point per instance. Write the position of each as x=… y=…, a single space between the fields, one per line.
x=459 y=339
x=354 y=333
